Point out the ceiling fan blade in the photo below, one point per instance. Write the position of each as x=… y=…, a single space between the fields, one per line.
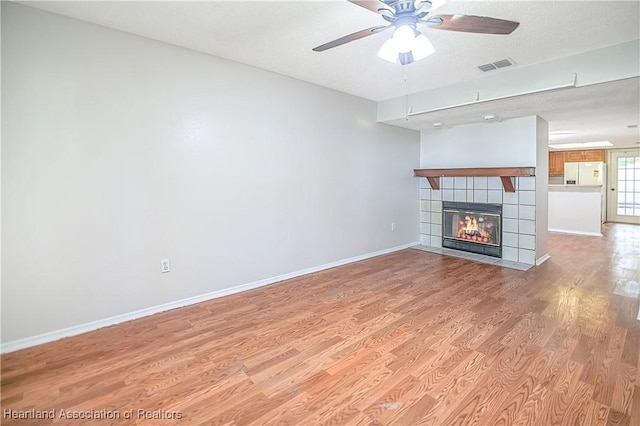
x=374 y=6
x=471 y=24
x=351 y=37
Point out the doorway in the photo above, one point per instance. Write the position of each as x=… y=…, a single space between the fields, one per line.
x=623 y=198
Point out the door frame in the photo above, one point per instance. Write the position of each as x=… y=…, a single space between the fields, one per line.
x=612 y=182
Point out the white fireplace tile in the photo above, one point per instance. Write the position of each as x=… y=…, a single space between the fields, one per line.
x=436 y=230
x=510 y=253
x=494 y=196
x=480 y=182
x=469 y=195
x=460 y=183
x=480 y=195
x=425 y=194
x=469 y=183
x=447 y=195
x=425 y=217
x=425 y=205
x=436 y=194
x=425 y=240
x=528 y=198
x=509 y=239
x=460 y=195
x=510 y=197
x=510 y=211
x=446 y=183
x=510 y=225
x=436 y=241
x=424 y=183
x=527 y=183
x=527 y=256
x=436 y=206
x=436 y=218
x=527 y=242
x=425 y=228
x=494 y=182
x=527 y=226
x=527 y=212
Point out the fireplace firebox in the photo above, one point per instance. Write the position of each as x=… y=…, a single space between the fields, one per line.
x=472 y=227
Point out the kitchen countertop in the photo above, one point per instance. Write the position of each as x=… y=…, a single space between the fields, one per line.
x=575 y=188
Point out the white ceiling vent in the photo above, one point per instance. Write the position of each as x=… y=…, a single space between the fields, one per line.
x=497 y=64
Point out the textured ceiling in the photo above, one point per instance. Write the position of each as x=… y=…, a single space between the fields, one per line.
x=279 y=35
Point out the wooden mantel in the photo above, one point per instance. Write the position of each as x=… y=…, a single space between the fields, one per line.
x=505 y=174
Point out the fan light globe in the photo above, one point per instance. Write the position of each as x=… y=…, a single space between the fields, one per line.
x=422 y=48
x=404 y=38
x=388 y=51
x=405 y=47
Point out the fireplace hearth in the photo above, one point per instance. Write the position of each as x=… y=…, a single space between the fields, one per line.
x=472 y=227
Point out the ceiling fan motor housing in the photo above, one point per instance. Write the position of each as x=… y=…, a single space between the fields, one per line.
x=406 y=8
x=409 y=21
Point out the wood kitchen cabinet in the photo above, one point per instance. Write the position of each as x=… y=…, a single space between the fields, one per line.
x=587 y=155
x=558 y=158
x=594 y=155
x=556 y=163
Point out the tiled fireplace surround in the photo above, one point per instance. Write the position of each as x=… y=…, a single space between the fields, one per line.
x=518 y=212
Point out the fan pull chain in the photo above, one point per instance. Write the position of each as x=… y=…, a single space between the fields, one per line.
x=407 y=108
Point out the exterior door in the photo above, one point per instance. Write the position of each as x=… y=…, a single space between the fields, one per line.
x=623 y=196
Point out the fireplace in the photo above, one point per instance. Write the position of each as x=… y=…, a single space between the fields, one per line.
x=472 y=227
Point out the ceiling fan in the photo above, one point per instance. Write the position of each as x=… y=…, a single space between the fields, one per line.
x=408 y=44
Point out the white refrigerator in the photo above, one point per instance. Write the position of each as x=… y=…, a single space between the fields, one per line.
x=584 y=173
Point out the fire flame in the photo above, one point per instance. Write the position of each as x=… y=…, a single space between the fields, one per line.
x=469 y=229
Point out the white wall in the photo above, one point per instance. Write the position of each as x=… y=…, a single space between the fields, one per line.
x=511 y=143
x=542 y=190
x=120 y=151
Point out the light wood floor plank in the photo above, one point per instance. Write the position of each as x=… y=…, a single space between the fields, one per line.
x=408 y=338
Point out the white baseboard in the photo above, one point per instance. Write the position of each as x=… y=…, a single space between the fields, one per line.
x=94 y=325
x=542 y=259
x=565 y=231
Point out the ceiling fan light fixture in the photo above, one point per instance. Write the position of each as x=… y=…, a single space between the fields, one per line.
x=388 y=51
x=404 y=38
x=422 y=48
x=405 y=58
x=405 y=47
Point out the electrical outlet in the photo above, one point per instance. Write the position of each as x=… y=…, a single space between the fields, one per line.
x=165 y=266
x=393 y=226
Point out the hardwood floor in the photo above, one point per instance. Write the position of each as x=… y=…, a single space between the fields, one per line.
x=410 y=338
